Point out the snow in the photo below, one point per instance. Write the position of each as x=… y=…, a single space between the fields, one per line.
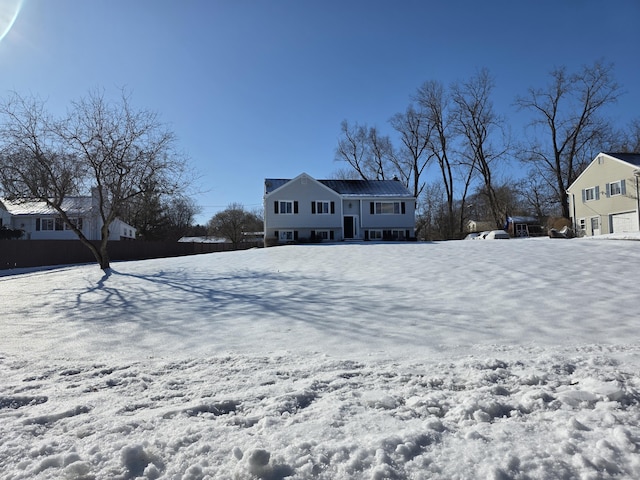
x=502 y=360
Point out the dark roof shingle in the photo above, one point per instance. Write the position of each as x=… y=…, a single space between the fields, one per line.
x=376 y=188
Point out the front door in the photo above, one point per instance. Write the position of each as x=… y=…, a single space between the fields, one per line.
x=350 y=227
x=595 y=225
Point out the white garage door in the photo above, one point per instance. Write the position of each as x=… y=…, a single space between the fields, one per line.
x=624 y=222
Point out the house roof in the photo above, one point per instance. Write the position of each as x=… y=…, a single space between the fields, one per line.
x=72 y=205
x=389 y=188
x=632 y=158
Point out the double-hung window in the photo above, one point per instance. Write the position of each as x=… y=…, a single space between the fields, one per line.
x=589 y=194
x=286 y=236
x=47 y=224
x=285 y=207
x=323 y=207
x=616 y=188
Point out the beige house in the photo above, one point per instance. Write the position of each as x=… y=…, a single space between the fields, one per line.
x=604 y=198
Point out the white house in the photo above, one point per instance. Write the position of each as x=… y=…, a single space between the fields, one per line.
x=604 y=198
x=306 y=209
x=39 y=221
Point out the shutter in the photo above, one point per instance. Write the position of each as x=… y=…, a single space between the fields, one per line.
x=38 y=224
x=372 y=208
x=331 y=235
x=623 y=187
x=275 y=207
x=295 y=207
x=406 y=234
x=403 y=208
x=313 y=234
x=584 y=196
x=295 y=233
x=366 y=234
x=597 y=192
x=608 y=189
x=313 y=208
x=276 y=233
x=333 y=207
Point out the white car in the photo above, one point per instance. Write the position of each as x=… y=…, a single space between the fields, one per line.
x=497 y=235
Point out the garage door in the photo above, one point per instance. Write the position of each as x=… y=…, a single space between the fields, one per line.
x=624 y=222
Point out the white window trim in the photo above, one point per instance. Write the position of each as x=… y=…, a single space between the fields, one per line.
x=280 y=202
x=323 y=202
x=619 y=188
x=50 y=223
x=591 y=190
x=284 y=234
x=378 y=211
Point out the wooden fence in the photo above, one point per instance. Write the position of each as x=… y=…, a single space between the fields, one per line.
x=39 y=253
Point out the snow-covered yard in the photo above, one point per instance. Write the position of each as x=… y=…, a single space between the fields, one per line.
x=496 y=359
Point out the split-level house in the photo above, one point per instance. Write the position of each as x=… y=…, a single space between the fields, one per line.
x=306 y=209
x=39 y=221
x=604 y=198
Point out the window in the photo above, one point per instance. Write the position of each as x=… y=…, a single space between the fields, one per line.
x=387 y=208
x=616 y=188
x=323 y=208
x=286 y=236
x=589 y=194
x=285 y=207
x=322 y=235
x=388 y=234
x=582 y=224
x=47 y=224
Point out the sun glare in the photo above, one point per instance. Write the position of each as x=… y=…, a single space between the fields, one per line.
x=9 y=10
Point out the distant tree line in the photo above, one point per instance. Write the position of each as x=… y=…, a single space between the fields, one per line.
x=457 y=129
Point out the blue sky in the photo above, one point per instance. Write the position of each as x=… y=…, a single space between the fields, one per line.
x=258 y=88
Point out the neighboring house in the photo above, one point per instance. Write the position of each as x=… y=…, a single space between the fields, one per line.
x=519 y=226
x=604 y=198
x=306 y=209
x=479 y=226
x=41 y=222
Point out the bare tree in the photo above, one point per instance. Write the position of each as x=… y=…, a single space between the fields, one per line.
x=367 y=152
x=431 y=96
x=110 y=147
x=478 y=125
x=415 y=131
x=628 y=140
x=537 y=195
x=233 y=222
x=568 y=123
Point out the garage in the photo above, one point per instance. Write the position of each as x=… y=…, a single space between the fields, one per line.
x=624 y=222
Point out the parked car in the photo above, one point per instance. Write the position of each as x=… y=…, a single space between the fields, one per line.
x=497 y=235
x=472 y=236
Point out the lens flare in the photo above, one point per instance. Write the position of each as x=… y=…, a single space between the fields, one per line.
x=9 y=10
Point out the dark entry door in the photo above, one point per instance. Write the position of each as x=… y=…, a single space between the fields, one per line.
x=348 y=227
